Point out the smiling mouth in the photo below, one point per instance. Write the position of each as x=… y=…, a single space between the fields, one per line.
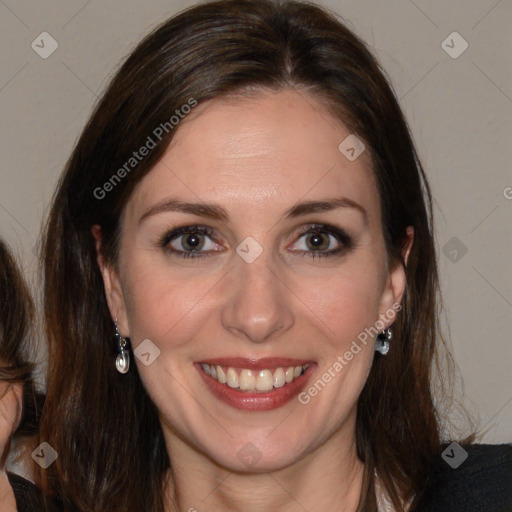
x=254 y=381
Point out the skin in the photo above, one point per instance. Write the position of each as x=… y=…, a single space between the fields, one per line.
x=256 y=158
x=11 y=398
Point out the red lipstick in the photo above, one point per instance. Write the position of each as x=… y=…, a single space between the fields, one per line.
x=256 y=401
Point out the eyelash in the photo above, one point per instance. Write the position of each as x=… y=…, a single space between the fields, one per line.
x=341 y=236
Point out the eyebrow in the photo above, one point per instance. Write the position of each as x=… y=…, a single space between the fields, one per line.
x=216 y=212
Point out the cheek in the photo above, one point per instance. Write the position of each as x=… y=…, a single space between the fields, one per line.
x=347 y=300
x=161 y=302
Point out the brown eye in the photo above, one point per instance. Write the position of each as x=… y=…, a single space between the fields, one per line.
x=317 y=241
x=189 y=242
x=320 y=240
x=192 y=242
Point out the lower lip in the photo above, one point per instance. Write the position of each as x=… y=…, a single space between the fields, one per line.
x=257 y=401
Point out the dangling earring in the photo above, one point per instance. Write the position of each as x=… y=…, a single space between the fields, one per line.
x=382 y=344
x=123 y=356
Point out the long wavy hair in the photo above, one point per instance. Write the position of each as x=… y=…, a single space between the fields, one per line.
x=104 y=426
x=16 y=321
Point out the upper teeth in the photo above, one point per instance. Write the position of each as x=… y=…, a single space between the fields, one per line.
x=254 y=380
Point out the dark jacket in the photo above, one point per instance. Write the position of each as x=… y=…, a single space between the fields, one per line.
x=482 y=482
x=28 y=496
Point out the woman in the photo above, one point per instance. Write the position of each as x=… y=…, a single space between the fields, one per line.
x=20 y=403
x=240 y=282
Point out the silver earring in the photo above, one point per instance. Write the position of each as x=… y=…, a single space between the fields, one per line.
x=123 y=356
x=382 y=344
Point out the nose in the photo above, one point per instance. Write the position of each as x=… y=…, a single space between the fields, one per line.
x=259 y=306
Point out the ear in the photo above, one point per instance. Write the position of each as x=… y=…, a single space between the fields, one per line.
x=17 y=391
x=396 y=282
x=112 y=285
x=11 y=407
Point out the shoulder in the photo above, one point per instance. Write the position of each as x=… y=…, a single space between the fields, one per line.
x=29 y=497
x=474 y=477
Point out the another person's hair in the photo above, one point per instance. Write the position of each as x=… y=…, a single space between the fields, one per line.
x=104 y=426
x=16 y=317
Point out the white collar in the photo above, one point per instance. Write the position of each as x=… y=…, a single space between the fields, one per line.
x=383 y=501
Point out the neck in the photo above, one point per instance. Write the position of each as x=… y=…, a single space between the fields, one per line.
x=328 y=478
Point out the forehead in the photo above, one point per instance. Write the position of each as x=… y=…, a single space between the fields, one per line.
x=269 y=151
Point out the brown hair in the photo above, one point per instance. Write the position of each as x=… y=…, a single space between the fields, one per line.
x=103 y=425
x=16 y=313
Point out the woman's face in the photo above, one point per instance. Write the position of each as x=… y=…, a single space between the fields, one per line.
x=270 y=281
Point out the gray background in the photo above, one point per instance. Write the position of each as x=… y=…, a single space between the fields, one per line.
x=459 y=110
